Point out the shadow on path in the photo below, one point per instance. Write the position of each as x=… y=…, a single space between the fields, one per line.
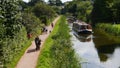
x=31 y=50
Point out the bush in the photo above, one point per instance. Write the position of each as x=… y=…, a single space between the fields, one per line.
x=43 y=12
x=112 y=29
x=32 y=23
x=11 y=48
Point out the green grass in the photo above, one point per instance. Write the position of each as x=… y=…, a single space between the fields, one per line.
x=21 y=52
x=19 y=55
x=57 y=51
x=110 y=28
x=110 y=32
x=110 y=39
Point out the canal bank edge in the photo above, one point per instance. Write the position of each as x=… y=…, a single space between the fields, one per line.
x=57 y=51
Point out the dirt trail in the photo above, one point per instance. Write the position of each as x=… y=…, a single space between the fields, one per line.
x=30 y=57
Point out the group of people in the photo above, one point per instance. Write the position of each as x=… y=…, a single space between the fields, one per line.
x=38 y=41
x=44 y=29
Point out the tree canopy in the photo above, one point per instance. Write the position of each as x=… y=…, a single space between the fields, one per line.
x=33 y=2
x=80 y=9
x=43 y=12
x=95 y=10
x=101 y=11
x=55 y=2
x=11 y=16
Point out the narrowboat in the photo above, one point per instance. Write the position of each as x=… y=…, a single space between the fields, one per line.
x=82 y=28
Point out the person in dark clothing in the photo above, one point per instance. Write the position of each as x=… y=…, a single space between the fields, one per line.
x=45 y=29
x=38 y=43
x=29 y=35
x=52 y=25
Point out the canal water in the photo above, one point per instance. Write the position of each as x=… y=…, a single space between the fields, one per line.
x=98 y=50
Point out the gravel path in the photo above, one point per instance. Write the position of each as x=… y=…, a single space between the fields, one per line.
x=30 y=57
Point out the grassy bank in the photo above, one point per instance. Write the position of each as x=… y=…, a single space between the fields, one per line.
x=17 y=57
x=25 y=44
x=14 y=48
x=110 y=28
x=57 y=51
x=109 y=32
x=107 y=39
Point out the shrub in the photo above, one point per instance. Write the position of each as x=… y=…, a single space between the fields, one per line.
x=11 y=47
x=112 y=29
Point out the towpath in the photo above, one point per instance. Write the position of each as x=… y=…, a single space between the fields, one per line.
x=30 y=57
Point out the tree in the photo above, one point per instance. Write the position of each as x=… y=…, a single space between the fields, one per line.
x=51 y=2
x=116 y=11
x=80 y=9
x=23 y=5
x=55 y=2
x=84 y=9
x=71 y=7
x=10 y=28
x=43 y=12
x=31 y=22
x=10 y=12
x=102 y=11
x=33 y=2
x=58 y=2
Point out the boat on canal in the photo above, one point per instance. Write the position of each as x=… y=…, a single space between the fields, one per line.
x=82 y=28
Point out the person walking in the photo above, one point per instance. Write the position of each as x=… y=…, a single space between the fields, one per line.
x=37 y=43
x=52 y=25
x=29 y=35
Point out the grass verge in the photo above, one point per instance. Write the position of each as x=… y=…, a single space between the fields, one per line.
x=110 y=28
x=57 y=50
x=17 y=57
x=20 y=53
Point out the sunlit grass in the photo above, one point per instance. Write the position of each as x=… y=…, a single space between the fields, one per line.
x=57 y=51
x=113 y=29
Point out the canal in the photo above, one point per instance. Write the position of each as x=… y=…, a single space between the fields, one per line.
x=98 y=50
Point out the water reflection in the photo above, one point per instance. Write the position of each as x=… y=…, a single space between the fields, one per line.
x=84 y=38
x=113 y=60
x=84 y=48
x=95 y=55
x=108 y=48
x=99 y=50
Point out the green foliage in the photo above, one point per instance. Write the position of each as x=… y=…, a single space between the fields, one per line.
x=13 y=35
x=106 y=11
x=71 y=7
x=2 y=29
x=14 y=26
x=31 y=23
x=34 y=2
x=57 y=51
x=12 y=47
x=112 y=29
x=101 y=11
x=23 y=5
x=56 y=9
x=116 y=11
x=43 y=12
x=10 y=13
x=55 y=2
x=84 y=9
x=10 y=26
x=80 y=9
